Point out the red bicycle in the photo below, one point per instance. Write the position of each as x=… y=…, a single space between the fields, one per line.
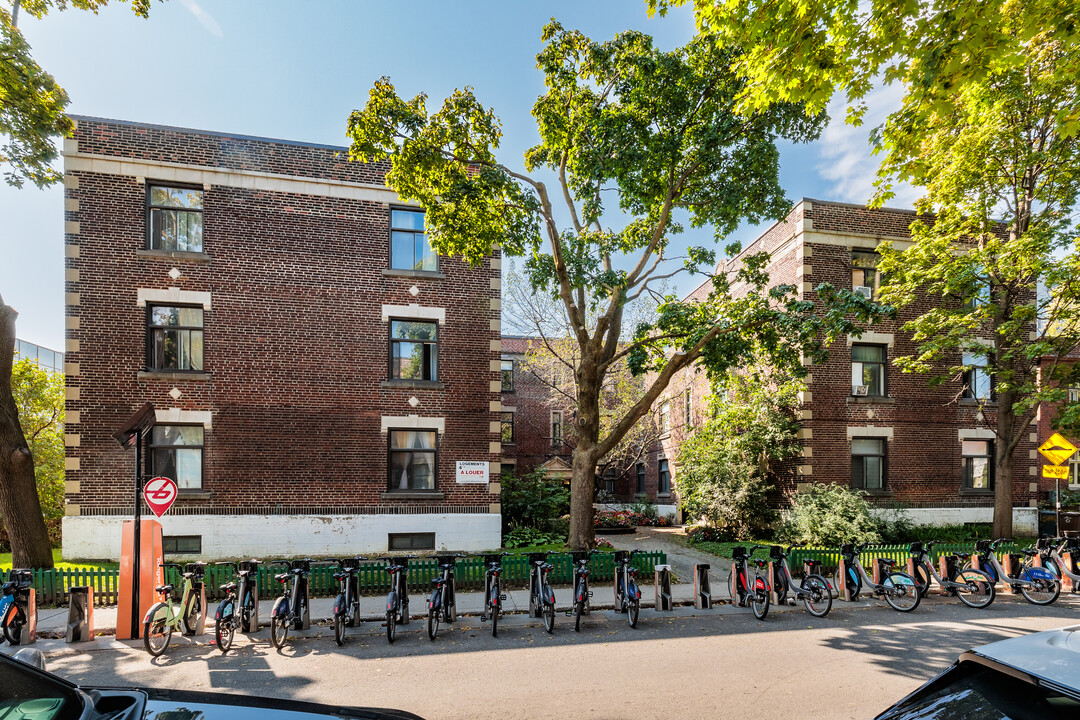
x=745 y=590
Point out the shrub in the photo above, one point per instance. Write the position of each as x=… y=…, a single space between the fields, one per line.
x=707 y=533
x=527 y=537
x=629 y=518
x=830 y=515
x=532 y=501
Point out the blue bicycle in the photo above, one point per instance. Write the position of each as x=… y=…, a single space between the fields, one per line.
x=627 y=592
x=1039 y=586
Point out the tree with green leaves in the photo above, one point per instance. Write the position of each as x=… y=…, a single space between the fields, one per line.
x=650 y=136
x=39 y=396
x=31 y=120
x=729 y=465
x=988 y=130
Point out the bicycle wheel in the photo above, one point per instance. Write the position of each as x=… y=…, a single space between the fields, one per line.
x=247 y=612
x=433 y=622
x=978 y=592
x=922 y=578
x=193 y=616
x=633 y=605
x=1043 y=592
x=13 y=630
x=549 y=616
x=339 y=628
x=391 y=625
x=223 y=634
x=495 y=610
x=156 y=630
x=819 y=602
x=759 y=602
x=901 y=592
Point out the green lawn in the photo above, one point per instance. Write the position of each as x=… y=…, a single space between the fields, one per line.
x=58 y=561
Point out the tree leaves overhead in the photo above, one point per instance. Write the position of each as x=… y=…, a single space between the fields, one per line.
x=31 y=102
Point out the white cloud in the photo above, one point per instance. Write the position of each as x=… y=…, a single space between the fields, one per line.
x=845 y=151
x=204 y=18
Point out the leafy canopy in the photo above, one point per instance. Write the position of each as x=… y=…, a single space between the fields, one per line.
x=39 y=397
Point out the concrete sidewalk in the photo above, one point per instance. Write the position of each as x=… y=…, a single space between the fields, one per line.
x=53 y=621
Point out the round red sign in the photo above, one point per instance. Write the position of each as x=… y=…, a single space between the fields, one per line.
x=159 y=493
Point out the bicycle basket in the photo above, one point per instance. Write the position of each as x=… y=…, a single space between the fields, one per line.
x=982 y=546
x=248 y=566
x=776 y=552
x=446 y=560
x=535 y=557
x=304 y=565
x=916 y=548
x=738 y=553
x=578 y=555
x=847 y=549
x=621 y=556
x=195 y=569
x=1043 y=544
x=489 y=559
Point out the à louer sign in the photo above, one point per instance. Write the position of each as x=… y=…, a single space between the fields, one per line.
x=472 y=472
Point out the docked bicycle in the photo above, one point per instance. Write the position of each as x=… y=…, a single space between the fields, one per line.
x=291 y=608
x=582 y=593
x=163 y=617
x=541 y=596
x=897 y=588
x=972 y=587
x=627 y=592
x=441 y=603
x=813 y=589
x=347 y=602
x=238 y=610
x=493 y=595
x=397 y=600
x=13 y=616
x=744 y=590
x=1038 y=585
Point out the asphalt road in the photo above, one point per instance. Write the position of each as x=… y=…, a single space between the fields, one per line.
x=852 y=664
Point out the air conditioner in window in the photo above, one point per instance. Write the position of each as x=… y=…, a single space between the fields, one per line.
x=862 y=390
x=866 y=292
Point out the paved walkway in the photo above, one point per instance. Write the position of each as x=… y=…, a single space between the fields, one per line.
x=680 y=557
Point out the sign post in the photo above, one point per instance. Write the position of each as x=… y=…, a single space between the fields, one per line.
x=1057 y=450
x=132 y=433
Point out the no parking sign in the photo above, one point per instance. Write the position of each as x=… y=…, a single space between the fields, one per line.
x=159 y=493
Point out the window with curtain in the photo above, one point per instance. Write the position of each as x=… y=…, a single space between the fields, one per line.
x=412 y=460
x=978 y=464
x=868 y=370
x=176 y=452
x=868 y=463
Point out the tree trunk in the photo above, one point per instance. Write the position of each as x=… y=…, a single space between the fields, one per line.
x=1003 y=467
x=19 y=503
x=583 y=472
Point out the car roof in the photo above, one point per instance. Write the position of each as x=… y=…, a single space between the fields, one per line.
x=1052 y=655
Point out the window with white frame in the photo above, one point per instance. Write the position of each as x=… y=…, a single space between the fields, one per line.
x=556 y=427
x=411 y=464
x=665 y=417
x=868 y=463
x=868 y=370
x=978 y=384
x=977 y=457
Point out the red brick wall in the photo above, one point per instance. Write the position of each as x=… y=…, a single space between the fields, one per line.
x=295 y=346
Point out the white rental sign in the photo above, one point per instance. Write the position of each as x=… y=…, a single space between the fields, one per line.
x=472 y=472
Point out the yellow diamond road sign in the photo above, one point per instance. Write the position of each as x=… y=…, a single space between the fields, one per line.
x=1057 y=449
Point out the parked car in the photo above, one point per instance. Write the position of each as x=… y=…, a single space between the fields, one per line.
x=1033 y=677
x=28 y=691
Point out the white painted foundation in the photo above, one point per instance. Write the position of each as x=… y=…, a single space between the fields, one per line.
x=95 y=537
x=1025 y=520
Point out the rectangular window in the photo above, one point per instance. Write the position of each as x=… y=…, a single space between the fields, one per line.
x=868 y=370
x=176 y=452
x=176 y=219
x=977 y=382
x=409 y=248
x=174 y=338
x=865 y=280
x=978 y=464
x=412 y=460
x=1074 y=470
x=665 y=417
x=181 y=544
x=507 y=427
x=609 y=482
x=868 y=463
x=1074 y=395
x=556 y=427
x=664 y=478
x=641 y=478
x=413 y=350
x=688 y=408
x=410 y=541
x=507 y=370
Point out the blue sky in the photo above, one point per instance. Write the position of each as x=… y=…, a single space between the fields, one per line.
x=295 y=70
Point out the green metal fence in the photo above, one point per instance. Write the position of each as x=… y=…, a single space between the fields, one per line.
x=52 y=585
x=829 y=557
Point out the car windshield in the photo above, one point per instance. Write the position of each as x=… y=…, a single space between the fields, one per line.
x=26 y=694
x=974 y=692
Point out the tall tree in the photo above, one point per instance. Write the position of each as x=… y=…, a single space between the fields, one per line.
x=655 y=131
x=39 y=396
x=31 y=119
x=988 y=128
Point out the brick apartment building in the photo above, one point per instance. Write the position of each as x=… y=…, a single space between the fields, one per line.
x=535 y=420
x=318 y=373
x=863 y=422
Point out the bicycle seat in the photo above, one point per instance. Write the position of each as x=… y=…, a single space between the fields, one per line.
x=963 y=555
x=163 y=588
x=228 y=587
x=760 y=563
x=281 y=577
x=886 y=562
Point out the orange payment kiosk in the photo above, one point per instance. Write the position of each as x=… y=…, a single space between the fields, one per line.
x=149 y=575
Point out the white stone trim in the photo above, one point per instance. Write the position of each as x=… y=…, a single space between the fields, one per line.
x=853 y=241
x=229 y=177
x=184 y=417
x=872 y=338
x=172 y=295
x=413 y=311
x=978 y=343
x=869 y=431
x=415 y=422
x=976 y=434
